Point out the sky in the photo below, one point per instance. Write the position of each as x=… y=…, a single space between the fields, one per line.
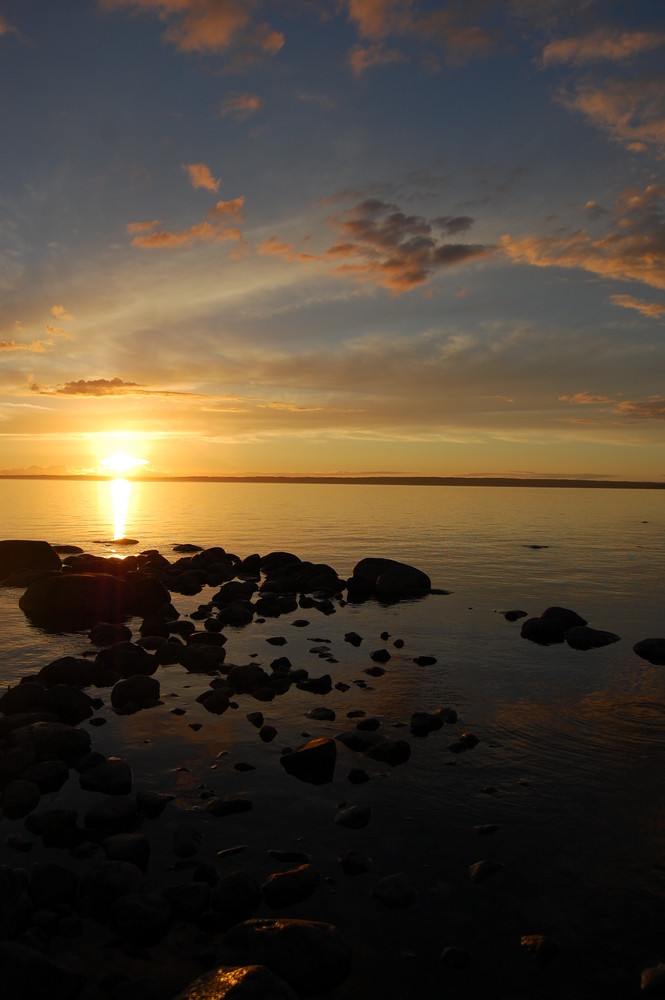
x=343 y=237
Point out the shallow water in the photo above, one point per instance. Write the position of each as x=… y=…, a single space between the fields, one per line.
x=570 y=763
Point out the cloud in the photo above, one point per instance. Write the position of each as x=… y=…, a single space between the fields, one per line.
x=321 y=100
x=381 y=245
x=651 y=408
x=228 y=27
x=148 y=238
x=654 y=310
x=362 y=57
x=200 y=176
x=631 y=112
x=105 y=387
x=57 y=331
x=241 y=106
x=59 y=312
x=379 y=18
x=143 y=227
x=36 y=347
x=603 y=44
x=633 y=248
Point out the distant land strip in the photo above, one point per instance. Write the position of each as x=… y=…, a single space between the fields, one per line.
x=588 y=484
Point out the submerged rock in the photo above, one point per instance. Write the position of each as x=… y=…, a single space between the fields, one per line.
x=585 y=637
x=313 y=761
x=652 y=650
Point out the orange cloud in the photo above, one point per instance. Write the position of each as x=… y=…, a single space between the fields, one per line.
x=654 y=310
x=208 y=26
x=200 y=176
x=59 y=312
x=381 y=245
x=379 y=18
x=228 y=209
x=104 y=387
x=143 y=227
x=362 y=57
x=651 y=408
x=56 y=331
x=631 y=112
x=37 y=346
x=241 y=106
x=632 y=249
x=603 y=44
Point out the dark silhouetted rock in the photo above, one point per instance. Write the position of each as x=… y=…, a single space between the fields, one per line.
x=75 y=670
x=152 y=804
x=52 y=883
x=321 y=714
x=585 y=637
x=292 y=886
x=483 y=870
x=48 y=775
x=514 y=615
x=235 y=897
x=423 y=723
x=228 y=806
x=135 y=693
x=395 y=891
x=188 y=899
x=387 y=580
x=313 y=761
x=126 y=659
x=250 y=982
x=26 y=973
x=108 y=633
x=132 y=847
x=19 y=556
x=110 y=880
x=316 y=685
x=19 y=798
x=311 y=956
x=142 y=918
x=214 y=701
x=353 y=817
x=70 y=601
x=542 y=949
x=54 y=739
x=113 y=815
x=354 y=863
x=112 y=777
x=652 y=650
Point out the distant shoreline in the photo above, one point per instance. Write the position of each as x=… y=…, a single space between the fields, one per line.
x=366 y=481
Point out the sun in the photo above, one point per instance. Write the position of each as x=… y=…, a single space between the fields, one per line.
x=121 y=463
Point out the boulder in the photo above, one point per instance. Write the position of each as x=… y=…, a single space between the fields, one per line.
x=135 y=693
x=292 y=886
x=387 y=580
x=54 y=739
x=313 y=761
x=395 y=891
x=142 y=918
x=112 y=777
x=652 y=650
x=311 y=956
x=26 y=973
x=551 y=626
x=250 y=982
x=585 y=637
x=19 y=556
x=234 y=897
x=126 y=659
x=71 y=601
x=76 y=670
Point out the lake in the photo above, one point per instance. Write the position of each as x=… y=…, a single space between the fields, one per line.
x=569 y=766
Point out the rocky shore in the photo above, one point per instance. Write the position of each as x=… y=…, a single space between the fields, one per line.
x=121 y=881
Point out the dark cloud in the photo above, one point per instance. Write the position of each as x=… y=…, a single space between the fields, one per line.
x=103 y=387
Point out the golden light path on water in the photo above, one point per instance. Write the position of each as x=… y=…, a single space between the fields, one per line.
x=121 y=491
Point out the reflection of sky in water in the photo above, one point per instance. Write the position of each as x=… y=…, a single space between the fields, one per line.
x=572 y=742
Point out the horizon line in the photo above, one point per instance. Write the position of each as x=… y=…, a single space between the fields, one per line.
x=544 y=481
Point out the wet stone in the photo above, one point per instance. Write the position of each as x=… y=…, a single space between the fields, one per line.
x=395 y=891
x=353 y=817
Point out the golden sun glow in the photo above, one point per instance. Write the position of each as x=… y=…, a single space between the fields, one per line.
x=121 y=463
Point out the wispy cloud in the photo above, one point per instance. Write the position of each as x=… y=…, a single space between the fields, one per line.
x=604 y=44
x=59 y=312
x=631 y=112
x=105 y=387
x=632 y=249
x=227 y=27
x=382 y=245
x=653 y=310
x=201 y=177
x=149 y=238
x=36 y=347
x=241 y=106
x=651 y=408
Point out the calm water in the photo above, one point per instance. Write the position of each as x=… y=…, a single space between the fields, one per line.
x=570 y=763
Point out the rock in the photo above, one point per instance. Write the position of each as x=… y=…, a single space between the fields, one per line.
x=467 y=741
x=313 y=761
x=108 y=881
x=54 y=739
x=186 y=840
x=515 y=615
x=652 y=980
x=228 y=806
x=247 y=677
x=27 y=974
x=234 y=898
x=353 y=638
x=357 y=776
x=70 y=601
x=126 y=659
x=267 y=733
x=188 y=899
x=652 y=650
x=75 y=670
x=395 y=891
x=316 y=685
x=321 y=714
x=542 y=949
x=423 y=723
x=132 y=847
x=424 y=661
x=292 y=886
x=14 y=761
x=391 y=752
x=56 y=827
x=311 y=956
x=483 y=870
x=387 y=580
x=256 y=719
x=69 y=703
x=114 y=815
x=584 y=637
x=48 y=775
x=19 y=556
x=214 y=701
x=380 y=656
x=369 y=725
x=135 y=693
x=354 y=863
x=19 y=798
x=250 y=982
x=51 y=883
x=112 y=777
x=455 y=958
x=142 y=918
x=108 y=633
x=353 y=817
x=552 y=625
x=151 y=803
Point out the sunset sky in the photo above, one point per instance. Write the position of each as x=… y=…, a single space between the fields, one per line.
x=243 y=237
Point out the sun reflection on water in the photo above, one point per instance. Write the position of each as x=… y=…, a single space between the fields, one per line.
x=121 y=491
